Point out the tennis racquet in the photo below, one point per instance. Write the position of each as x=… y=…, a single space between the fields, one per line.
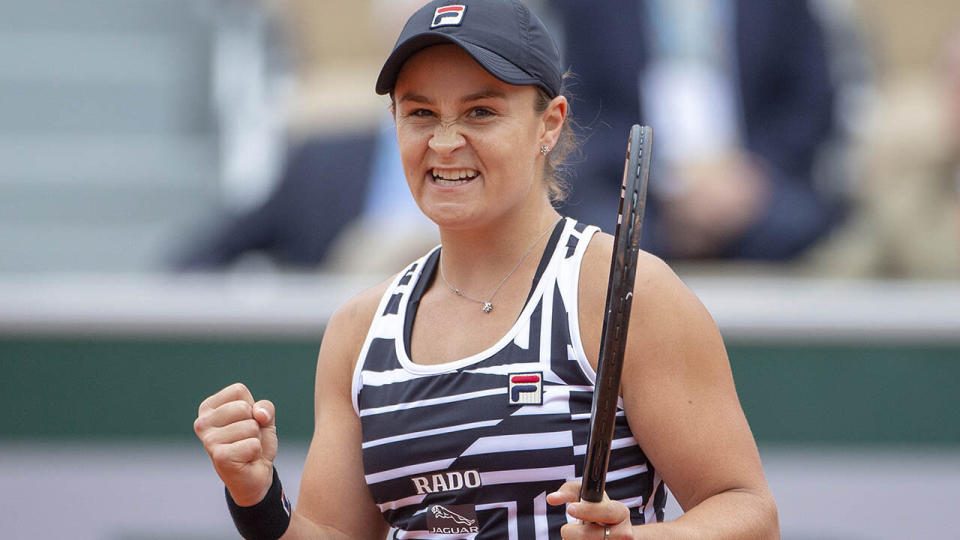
x=616 y=320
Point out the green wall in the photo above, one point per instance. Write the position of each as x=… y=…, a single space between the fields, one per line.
x=149 y=388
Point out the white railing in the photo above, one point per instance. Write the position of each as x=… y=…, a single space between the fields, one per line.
x=751 y=309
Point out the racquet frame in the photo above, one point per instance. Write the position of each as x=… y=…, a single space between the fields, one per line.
x=616 y=320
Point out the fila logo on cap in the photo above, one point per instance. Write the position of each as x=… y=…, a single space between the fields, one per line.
x=448 y=15
x=525 y=389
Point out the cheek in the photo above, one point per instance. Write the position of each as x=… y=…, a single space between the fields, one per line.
x=505 y=146
x=412 y=148
x=513 y=156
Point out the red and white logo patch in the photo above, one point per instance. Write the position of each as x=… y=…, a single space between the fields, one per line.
x=525 y=389
x=451 y=15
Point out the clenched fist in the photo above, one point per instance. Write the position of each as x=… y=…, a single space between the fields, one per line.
x=241 y=437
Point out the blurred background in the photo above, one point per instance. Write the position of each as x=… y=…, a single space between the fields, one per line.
x=188 y=189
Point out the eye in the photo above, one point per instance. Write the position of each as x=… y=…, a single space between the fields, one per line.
x=481 y=113
x=420 y=113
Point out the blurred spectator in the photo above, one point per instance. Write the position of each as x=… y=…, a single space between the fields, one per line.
x=740 y=99
x=905 y=220
x=737 y=91
x=342 y=176
x=320 y=190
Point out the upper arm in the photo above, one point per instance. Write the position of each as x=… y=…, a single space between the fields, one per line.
x=679 y=393
x=677 y=385
x=333 y=491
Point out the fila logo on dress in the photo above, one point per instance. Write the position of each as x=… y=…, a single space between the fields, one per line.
x=525 y=389
x=448 y=15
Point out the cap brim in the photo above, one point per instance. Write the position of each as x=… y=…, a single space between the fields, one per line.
x=495 y=64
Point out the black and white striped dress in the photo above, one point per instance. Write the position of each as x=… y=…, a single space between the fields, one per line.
x=470 y=448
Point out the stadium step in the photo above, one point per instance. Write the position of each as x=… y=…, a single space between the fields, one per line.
x=108 y=148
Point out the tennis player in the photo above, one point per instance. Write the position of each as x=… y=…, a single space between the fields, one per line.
x=453 y=400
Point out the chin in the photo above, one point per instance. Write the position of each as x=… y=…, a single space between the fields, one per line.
x=448 y=217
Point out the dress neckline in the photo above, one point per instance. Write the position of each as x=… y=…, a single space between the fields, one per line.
x=408 y=308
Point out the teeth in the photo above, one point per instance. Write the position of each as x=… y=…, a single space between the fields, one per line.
x=443 y=182
x=454 y=174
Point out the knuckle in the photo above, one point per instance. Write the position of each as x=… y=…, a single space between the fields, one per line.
x=248 y=449
x=249 y=428
x=243 y=391
x=199 y=426
x=235 y=411
x=207 y=403
x=209 y=446
x=220 y=454
x=239 y=407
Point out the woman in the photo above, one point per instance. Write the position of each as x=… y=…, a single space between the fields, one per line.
x=453 y=400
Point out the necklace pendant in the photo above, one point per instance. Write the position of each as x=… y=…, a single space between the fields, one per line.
x=487 y=307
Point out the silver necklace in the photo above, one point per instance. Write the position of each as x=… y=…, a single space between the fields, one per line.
x=487 y=306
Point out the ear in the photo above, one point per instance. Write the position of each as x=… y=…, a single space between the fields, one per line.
x=552 y=121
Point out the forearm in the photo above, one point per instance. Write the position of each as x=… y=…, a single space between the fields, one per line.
x=735 y=514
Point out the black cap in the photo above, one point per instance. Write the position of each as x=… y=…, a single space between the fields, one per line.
x=503 y=36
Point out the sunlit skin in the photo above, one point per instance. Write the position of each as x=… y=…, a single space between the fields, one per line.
x=452 y=115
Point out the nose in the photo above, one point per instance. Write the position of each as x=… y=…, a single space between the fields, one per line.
x=446 y=138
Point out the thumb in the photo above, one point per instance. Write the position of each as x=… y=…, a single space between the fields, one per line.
x=265 y=414
x=569 y=492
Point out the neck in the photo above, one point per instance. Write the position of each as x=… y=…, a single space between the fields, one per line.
x=481 y=257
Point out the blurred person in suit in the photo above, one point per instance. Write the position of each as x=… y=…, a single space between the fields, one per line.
x=905 y=212
x=740 y=99
x=341 y=176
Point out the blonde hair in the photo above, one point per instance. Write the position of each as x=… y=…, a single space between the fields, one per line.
x=567 y=144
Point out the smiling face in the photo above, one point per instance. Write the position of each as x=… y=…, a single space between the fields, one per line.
x=468 y=141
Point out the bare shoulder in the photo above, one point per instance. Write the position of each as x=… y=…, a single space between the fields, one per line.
x=654 y=276
x=347 y=329
x=664 y=310
x=357 y=313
